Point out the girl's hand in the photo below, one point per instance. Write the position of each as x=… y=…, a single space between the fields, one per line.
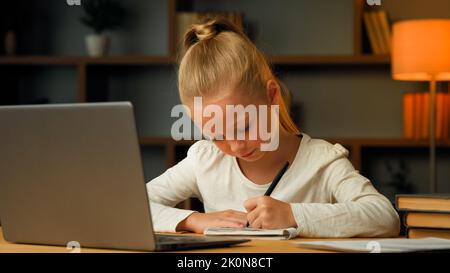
x=268 y=213
x=197 y=222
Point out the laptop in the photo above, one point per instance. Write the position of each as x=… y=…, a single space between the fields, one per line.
x=73 y=173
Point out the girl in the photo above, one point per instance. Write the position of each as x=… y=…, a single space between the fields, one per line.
x=321 y=194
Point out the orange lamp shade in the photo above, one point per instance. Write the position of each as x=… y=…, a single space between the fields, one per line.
x=421 y=50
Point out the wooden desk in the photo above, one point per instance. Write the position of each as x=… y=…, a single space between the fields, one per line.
x=255 y=246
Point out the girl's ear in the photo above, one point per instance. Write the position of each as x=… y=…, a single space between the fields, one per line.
x=272 y=91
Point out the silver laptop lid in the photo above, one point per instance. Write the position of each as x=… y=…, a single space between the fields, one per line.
x=73 y=172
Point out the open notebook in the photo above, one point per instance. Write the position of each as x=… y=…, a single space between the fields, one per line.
x=287 y=233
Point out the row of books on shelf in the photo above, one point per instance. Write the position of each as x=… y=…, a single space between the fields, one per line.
x=184 y=20
x=416 y=115
x=378 y=31
x=426 y=215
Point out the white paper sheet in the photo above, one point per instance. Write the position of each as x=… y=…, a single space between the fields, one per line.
x=381 y=245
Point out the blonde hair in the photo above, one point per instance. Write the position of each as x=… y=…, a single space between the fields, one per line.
x=218 y=53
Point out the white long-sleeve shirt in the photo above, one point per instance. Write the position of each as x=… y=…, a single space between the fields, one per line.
x=328 y=197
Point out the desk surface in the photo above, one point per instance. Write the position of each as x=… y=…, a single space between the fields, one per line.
x=254 y=246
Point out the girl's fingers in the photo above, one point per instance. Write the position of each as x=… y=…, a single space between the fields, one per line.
x=241 y=220
x=252 y=216
x=230 y=223
x=238 y=215
x=257 y=223
x=251 y=204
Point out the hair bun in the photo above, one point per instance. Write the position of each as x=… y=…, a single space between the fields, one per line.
x=208 y=30
x=205 y=31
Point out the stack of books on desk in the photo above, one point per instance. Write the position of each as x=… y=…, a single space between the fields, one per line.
x=426 y=215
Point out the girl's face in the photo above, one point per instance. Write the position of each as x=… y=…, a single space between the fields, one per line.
x=248 y=149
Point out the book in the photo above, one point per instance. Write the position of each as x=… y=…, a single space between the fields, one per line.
x=370 y=29
x=415 y=233
x=287 y=233
x=416 y=115
x=440 y=108
x=380 y=245
x=425 y=117
x=385 y=30
x=446 y=127
x=184 y=20
x=408 y=115
x=423 y=202
x=378 y=32
x=427 y=219
x=419 y=112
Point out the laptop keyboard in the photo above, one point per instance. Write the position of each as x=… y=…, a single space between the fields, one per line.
x=177 y=238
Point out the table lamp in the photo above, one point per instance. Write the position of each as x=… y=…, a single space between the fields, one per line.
x=421 y=52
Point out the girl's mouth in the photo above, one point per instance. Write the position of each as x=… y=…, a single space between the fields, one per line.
x=248 y=155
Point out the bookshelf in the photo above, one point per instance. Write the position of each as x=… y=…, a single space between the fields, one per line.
x=85 y=60
x=171 y=60
x=90 y=73
x=330 y=60
x=82 y=63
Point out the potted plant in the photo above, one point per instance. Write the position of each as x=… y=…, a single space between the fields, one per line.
x=400 y=177
x=100 y=16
